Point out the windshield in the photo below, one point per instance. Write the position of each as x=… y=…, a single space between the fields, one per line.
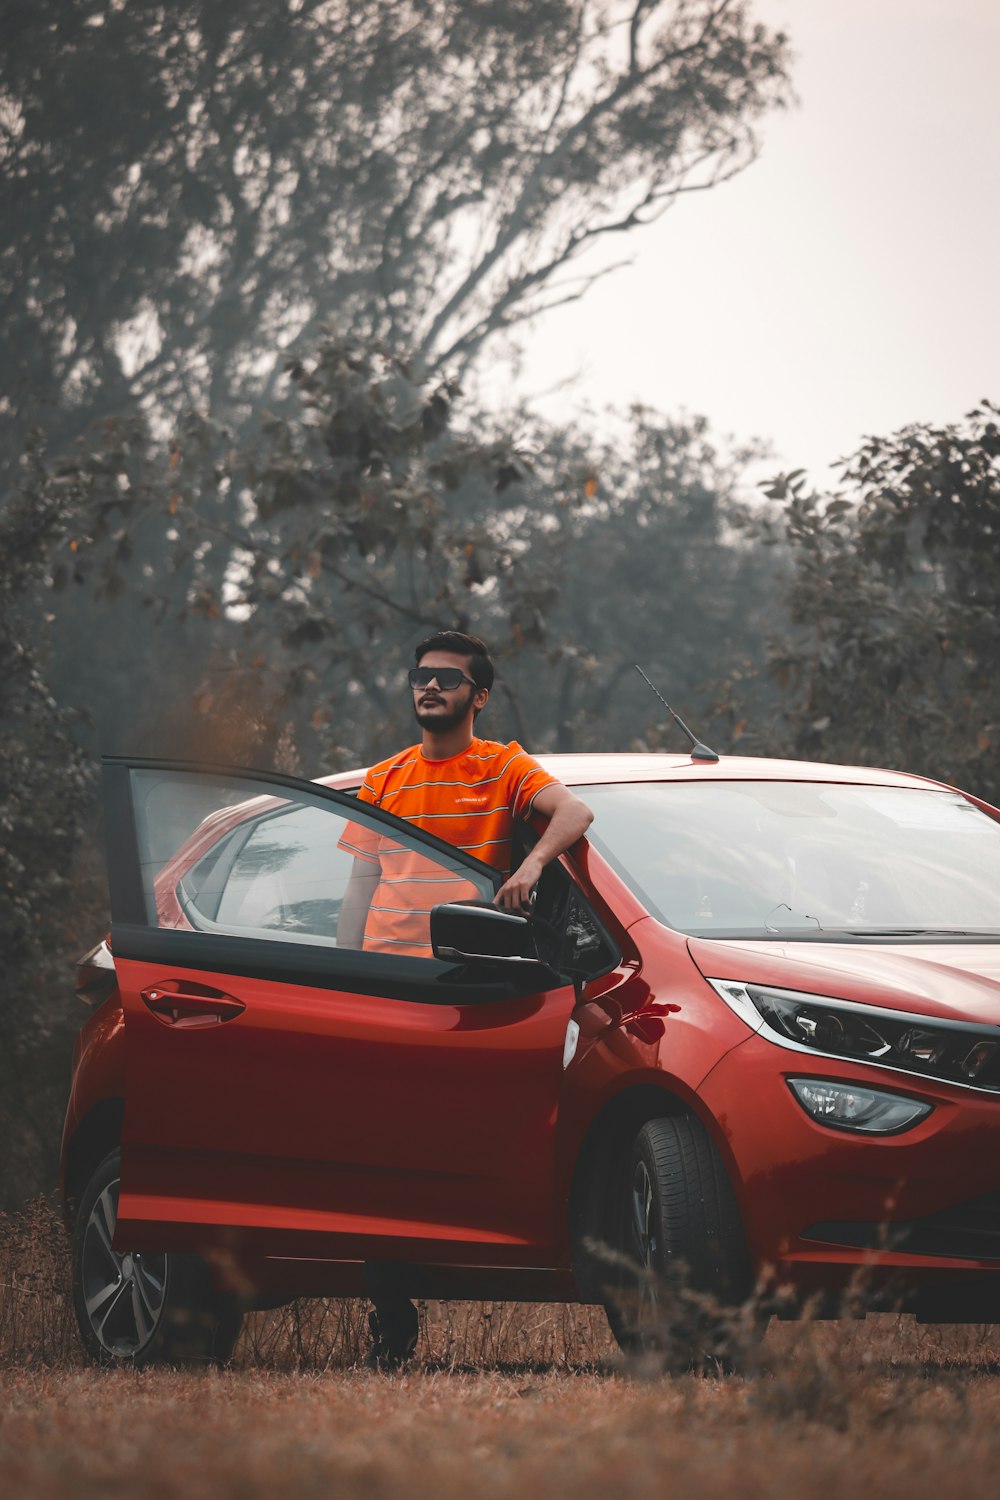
x=802 y=859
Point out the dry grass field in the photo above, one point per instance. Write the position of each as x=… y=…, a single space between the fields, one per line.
x=504 y=1401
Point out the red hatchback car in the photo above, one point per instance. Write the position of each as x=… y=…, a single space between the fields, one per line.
x=753 y=1022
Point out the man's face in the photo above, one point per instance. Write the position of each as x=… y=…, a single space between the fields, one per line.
x=439 y=710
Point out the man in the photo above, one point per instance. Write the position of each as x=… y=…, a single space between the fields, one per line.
x=470 y=792
x=466 y=790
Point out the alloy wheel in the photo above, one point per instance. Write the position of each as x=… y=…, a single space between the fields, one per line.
x=124 y=1293
x=646 y=1243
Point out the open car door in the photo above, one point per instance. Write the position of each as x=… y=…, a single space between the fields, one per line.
x=286 y=1094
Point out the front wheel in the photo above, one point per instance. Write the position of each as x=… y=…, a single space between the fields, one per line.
x=136 y=1308
x=683 y=1266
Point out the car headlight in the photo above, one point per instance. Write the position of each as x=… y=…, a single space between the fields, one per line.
x=848 y=1107
x=963 y=1052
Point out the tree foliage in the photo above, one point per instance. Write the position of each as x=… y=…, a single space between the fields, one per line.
x=645 y=546
x=372 y=514
x=45 y=797
x=895 y=603
x=190 y=187
x=45 y=780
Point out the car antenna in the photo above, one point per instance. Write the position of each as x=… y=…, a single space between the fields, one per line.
x=698 y=750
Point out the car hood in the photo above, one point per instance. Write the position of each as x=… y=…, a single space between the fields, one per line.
x=955 y=981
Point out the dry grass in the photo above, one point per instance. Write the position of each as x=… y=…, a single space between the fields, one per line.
x=504 y=1401
x=454 y=1336
x=37 y=1326
x=74 y=1433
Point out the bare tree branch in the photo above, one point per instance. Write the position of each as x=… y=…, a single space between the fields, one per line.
x=514 y=224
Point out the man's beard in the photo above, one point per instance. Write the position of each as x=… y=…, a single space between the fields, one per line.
x=440 y=720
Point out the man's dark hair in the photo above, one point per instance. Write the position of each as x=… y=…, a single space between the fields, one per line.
x=480 y=666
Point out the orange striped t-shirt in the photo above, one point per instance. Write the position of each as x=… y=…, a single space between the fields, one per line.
x=470 y=800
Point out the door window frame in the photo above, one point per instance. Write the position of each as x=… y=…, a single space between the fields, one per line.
x=393 y=976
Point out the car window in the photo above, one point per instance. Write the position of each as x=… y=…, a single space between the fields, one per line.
x=288 y=872
x=289 y=865
x=803 y=859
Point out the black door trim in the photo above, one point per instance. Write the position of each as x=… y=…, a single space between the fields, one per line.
x=424 y=981
x=128 y=900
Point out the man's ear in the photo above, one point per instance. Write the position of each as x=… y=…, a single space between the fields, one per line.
x=481 y=699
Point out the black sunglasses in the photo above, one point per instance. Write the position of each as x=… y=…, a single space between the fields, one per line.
x=447 y=678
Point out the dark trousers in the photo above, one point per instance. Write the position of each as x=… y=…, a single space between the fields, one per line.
x=386 y=1285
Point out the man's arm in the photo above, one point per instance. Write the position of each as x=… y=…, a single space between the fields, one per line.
x=354 y=907
x=569 y=819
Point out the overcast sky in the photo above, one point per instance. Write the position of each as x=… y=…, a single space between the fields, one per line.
x=847 y=282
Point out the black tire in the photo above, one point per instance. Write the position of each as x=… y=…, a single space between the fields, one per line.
x=140 y=1309
x=683 y=1266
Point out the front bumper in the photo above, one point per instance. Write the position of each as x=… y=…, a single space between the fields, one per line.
x=917 y=1213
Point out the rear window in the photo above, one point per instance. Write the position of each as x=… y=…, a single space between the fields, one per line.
x=285 y=871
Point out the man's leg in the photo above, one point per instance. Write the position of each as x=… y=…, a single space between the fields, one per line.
x=394 y=1324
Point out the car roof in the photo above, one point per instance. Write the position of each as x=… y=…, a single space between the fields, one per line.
x=608 y=768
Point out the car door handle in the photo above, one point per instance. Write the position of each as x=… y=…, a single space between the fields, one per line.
x=190 y=1008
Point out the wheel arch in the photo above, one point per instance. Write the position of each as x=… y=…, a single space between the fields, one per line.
x=591 y=1210
x=99 y=1132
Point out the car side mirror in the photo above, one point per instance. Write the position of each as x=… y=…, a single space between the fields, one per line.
x=473 y=930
